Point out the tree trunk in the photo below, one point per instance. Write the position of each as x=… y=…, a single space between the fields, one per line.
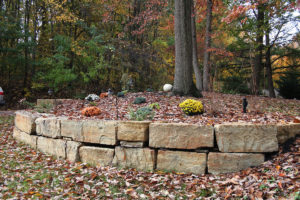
x=269 y=64
x=206 y=63
x=258 y=50
x=183 y=81
x=197 y=71
x=26 y=50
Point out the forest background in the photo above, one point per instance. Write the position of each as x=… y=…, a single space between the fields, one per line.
x=77 y=47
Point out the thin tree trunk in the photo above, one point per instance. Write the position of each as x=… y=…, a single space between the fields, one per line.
x=259 y=50
x=183 y=81
x=268 y=64
x=26 y=50
x=197 y=71
x=206 y=63
x=35 y=21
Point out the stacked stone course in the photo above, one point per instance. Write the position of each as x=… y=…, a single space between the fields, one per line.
x=148 y=146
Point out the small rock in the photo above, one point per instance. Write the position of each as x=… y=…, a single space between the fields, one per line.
x=167 y=87
x=92 y=97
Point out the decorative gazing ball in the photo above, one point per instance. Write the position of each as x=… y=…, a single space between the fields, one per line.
x=167 y=87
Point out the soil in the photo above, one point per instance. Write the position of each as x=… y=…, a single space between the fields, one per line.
x=219 y=108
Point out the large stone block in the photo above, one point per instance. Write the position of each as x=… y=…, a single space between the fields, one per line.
x=178 y=161
x=44 y=102
x=142 y=159
x=246 y=137
x=25 y=121
x=180 y=136
x=73 y=151
x=49 y=127
x=133 y=131
x=100 y=132
x=55 y=147
x=96 y=155
x=20 y=136
x=287 y=131
x=72 y=129
x=219 y=163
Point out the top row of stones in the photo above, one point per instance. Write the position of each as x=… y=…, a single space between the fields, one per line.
x=230 y=137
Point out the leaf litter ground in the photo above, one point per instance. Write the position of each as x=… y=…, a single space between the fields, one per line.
x=29 y=174
x=219 y=108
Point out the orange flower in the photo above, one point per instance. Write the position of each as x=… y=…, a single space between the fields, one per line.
x=91 y=111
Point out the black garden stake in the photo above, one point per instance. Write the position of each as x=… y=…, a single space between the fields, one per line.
x=245 y=103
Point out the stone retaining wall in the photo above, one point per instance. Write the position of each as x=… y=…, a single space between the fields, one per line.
x=147 y=146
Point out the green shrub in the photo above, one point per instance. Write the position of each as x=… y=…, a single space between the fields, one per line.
x=235 y=85
x=154 y=106
x=121 y=94
x=192 y=107
x=289 y=85
x=141 y=114
x=139 y=100
x=93 y=103
x=44 y=108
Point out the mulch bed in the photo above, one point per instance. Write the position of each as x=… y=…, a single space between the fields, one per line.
x=219 y=108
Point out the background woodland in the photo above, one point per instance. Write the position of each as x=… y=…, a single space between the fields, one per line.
x=76 y=47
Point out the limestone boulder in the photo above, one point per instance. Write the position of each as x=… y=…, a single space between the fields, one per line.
x=246 y=137
x=287 y=131
x=180 y=136
x=96 y=155
x=178 y=161
x=25 y=121
x=142 y=159
x=55 y=147
x=73 y=151
x=134 y=131
x=100 y=132
x=72 y=129
x=219 y=163
x=43 y=102
x=25 y=138
x=49 y=127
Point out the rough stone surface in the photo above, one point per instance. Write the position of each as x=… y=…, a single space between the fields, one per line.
x=246 y=138
x=100 y=132
x=55 y=147
x=142 y=159
x=72 y=129
x=287 y=131
x=178 y=161
x=49 y=127
x=20 y=136
x=133 y=131
x=219 y=163
x=132 y=144
x=73 y=151
x=96 y=155
x=41 y=102
x=25 y=121
x=180 y=136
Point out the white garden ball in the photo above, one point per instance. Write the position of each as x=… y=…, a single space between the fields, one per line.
x=168 y=87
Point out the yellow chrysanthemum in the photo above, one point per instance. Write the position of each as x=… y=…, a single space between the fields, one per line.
x=191 y=107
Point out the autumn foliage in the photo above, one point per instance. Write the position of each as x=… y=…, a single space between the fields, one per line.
x=91 y=111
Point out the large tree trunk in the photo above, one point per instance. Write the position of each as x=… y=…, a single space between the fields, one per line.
x=197 y=71
x=183 y=81
x=206 y=63
x=258 y=50
x=269 y=64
